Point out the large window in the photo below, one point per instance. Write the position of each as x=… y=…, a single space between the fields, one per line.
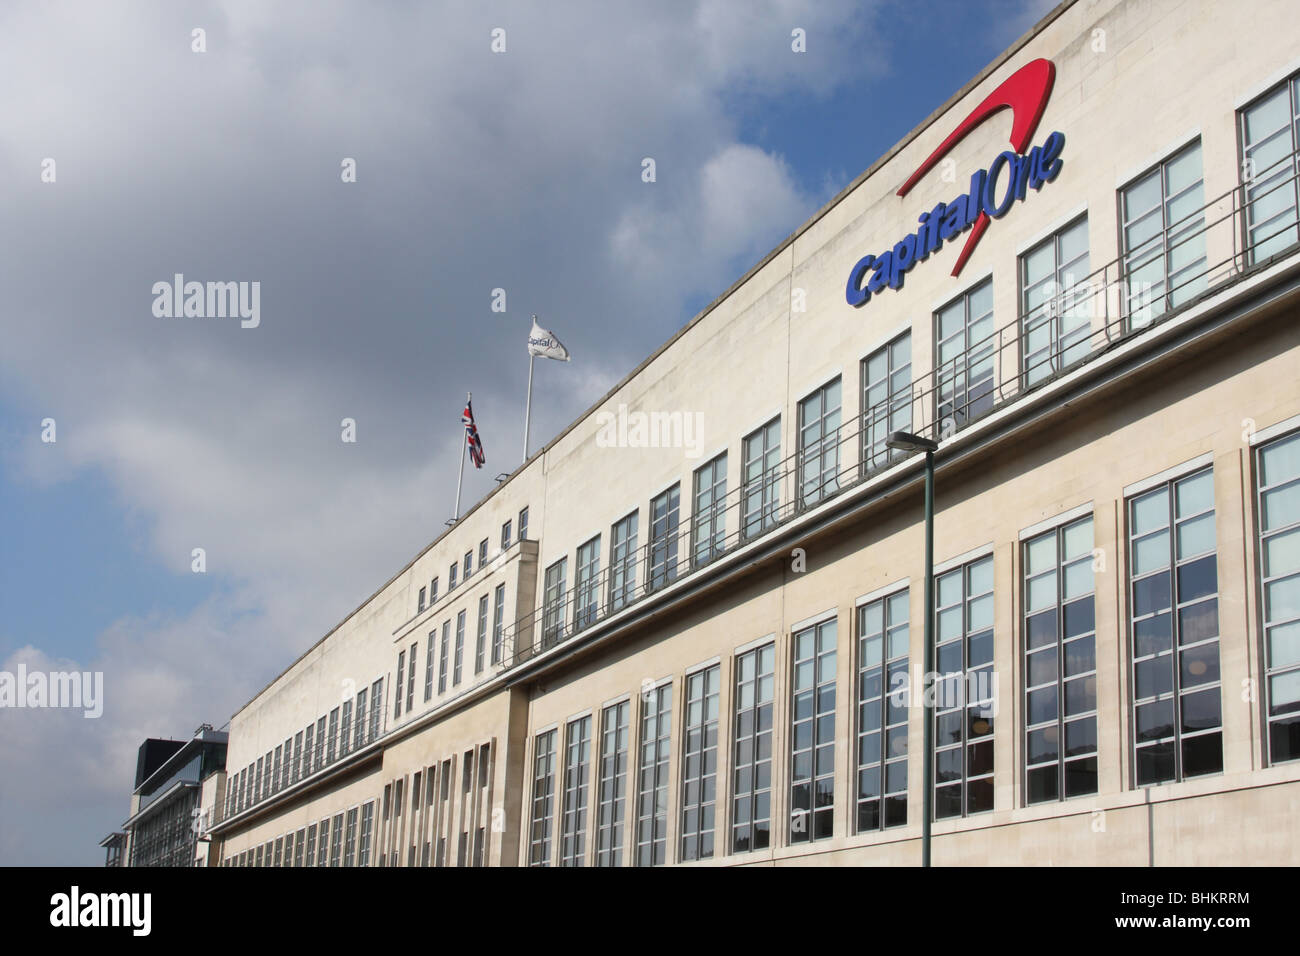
x=322 y=853
x=663 y=538
x=964 y=358
x=336 y=841
x=1174 y=621
x=709 y=511
x=577 y=767
x=700 y=763
x=430 y=655
x=480 y=637
x=350 y=840
x=586 y=584
x=1278 y=475
x=819 y=444
x=882 y=713
x=309 y=857
x=443 y=652
x=401 y=676
x=543 y=811
x=1059 y=638
x=622 y=562
x=367 y=828
x=459 y=659
x=612 y=785
x=751 y=816
x=498 y=623
x=760 y=493
x=1270 y=133
x=652 y=787
x=812 y=734
x=553 y=603
x=376 y=707
x=410 y=678
x=332 y=747
x=1163 y=233
x=1055 y=301
x=886 y=400
x=964 y=704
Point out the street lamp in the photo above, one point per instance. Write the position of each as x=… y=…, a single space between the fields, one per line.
x=905 y=441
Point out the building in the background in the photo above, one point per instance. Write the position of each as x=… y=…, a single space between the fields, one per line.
x=178 y=783
x=686 y=629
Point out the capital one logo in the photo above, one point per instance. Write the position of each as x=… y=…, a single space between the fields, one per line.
x=993 y=190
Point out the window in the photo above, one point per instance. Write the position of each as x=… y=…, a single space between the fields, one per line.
x=421 y=607
x=442 y=656
x=1270 y=130
x=460 y=649
x=376 y=707
x=308 y=738
x=298 y=848
x=367 y=827
x=433 y=591
x=360 y=736
x=612 y=785
x=322 y=856
x=297 y=757
x=586 y=596
x=663 y=538
x=1278 y=477
x=1174 y=621
x=350 y=841
x=964 y=705
x=1163 y=235
x=401 y=676
x=480 y=637
x=553 y=603
x=812 y=734
x=498 y=623
x=410 y=678
x=523 y=524
x=886 y=400
x=257 y=792
x=331 y=747
x=1055 y=300
x=882 y=713
x=577 y=766
x=700 y=763
x=482 y=553
x=429 y=655
x=505 y=535
x=1060 y=665
x=275 y=773
x=469 y=565
x=539 y=840
x=336 y=843
x=964 y=357
x=760 y=492
x=652 y=790
x=819 y=444
x=709 y=511
x=451 y=576
x=751 y=817
x=622 y=562
x=279 y=852
x=345 y=726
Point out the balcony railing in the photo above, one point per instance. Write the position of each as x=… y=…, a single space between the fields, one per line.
x=325 y=751
x=1202 y=253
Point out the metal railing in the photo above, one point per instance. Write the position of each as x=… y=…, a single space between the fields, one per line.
x=245 y=790
x=1088 y=317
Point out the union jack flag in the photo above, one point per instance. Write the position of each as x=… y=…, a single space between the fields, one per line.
x=471 y=436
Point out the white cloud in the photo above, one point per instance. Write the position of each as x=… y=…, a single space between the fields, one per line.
x=475 y=171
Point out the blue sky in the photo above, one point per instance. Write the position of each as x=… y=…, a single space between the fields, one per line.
x=375 y=300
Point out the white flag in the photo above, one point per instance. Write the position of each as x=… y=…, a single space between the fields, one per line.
x=544 y=343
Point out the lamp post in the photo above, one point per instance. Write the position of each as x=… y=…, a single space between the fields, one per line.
x=905 y=441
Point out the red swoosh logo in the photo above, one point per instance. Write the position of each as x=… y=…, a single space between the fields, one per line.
x=1025 y=93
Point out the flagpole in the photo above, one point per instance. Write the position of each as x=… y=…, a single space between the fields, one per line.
x=464 y=446
x=528 y=404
